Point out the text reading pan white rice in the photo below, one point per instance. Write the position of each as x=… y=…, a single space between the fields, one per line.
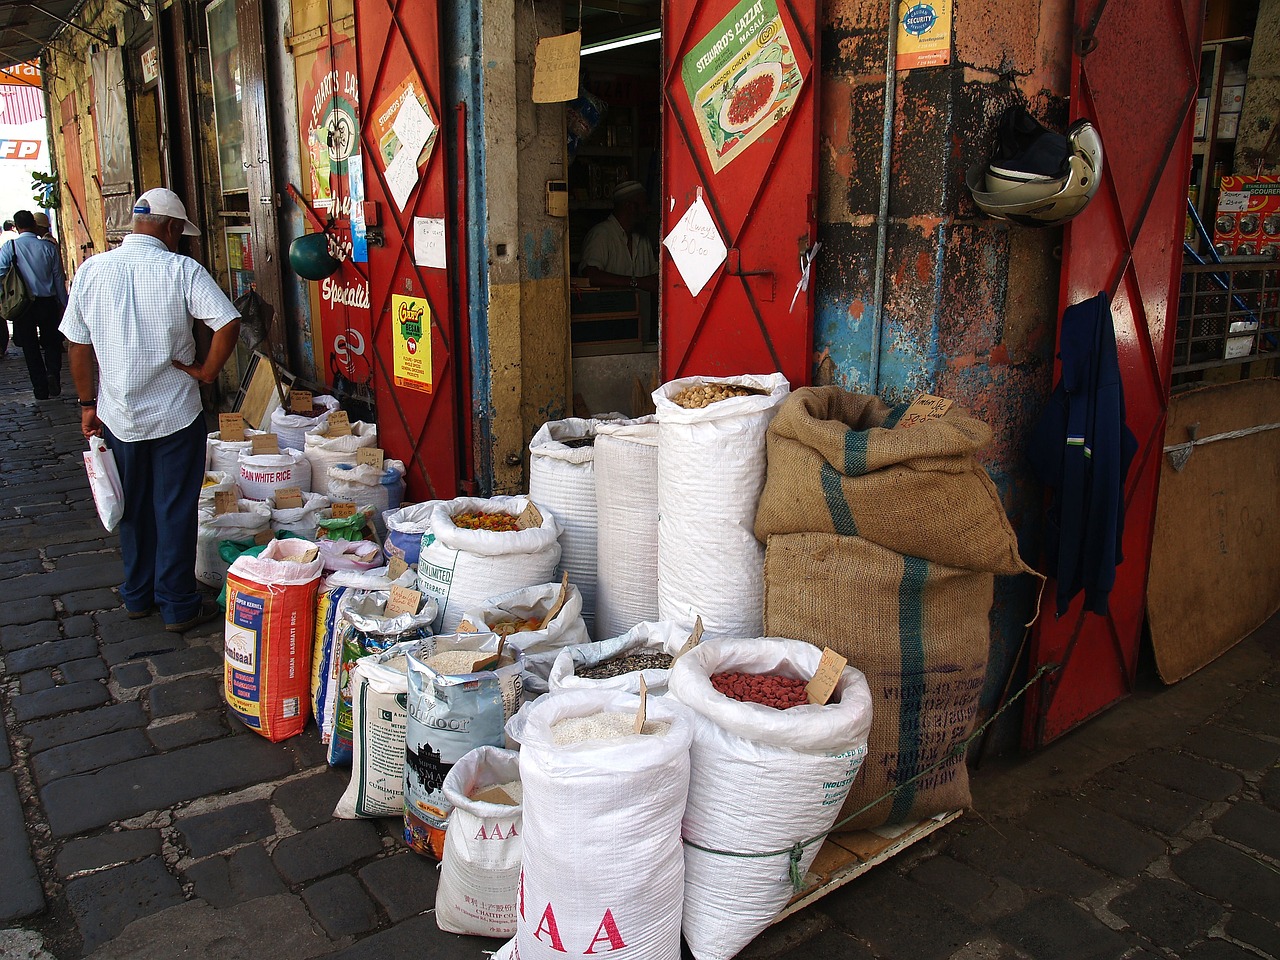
x=604 y=726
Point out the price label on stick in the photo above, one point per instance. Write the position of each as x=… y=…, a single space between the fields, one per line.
x=403 y=600
x=490 y=661
x=924 y=407
x=644 y=704
x=288 y=498
x=529 y=518
x=338 y=424
x=265 y=443
x=301 y=401
x=825 y=677
x=372 y=456
x=342 y=509
x=225 y=501
x=694 y=639
x=556 y=607
x=231 y=426
x=396 y=568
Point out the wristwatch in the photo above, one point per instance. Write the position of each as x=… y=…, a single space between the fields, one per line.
x=89 y=403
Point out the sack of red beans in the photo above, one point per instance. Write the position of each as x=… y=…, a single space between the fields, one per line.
x=768 y=770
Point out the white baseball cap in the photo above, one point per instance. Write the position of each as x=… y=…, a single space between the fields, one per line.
x=160 y=202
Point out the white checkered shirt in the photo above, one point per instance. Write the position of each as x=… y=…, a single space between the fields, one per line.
x=135 y=305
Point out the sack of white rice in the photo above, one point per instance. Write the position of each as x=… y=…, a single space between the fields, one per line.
x=261 y=475
x=213 y=484
x=292 y=428
x=323 y=451
x=626 y=472
x=223 y=456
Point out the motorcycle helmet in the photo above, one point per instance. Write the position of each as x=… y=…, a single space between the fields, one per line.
x=310 y=257
x=1036 y=177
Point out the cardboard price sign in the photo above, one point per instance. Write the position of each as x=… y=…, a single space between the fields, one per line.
x=338 y=424
x=924 y=408
x=694 y=639
x=373 y=456
x=225 y=501
x=231 y=426
x=301 y=401
x=264 y=443
x=559 y=604
x=825 y=677
x=342 y=509
x=494 y=794
x=529 y=518
x=403 y=600
x=396 y=568
x=263 y=538
x=644 y=705
x=288 y=498
x=490 y=660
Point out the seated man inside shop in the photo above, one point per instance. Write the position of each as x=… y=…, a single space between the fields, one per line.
x=614 y=252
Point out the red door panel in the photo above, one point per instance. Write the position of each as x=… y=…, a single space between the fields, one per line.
x=398 y=53
x=740 y=124
x=1136 y=82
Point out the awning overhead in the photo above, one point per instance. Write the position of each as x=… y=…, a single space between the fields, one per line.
x=27 y=27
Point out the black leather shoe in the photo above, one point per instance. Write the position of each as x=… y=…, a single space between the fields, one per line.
x=141 y=614
x=208 y=611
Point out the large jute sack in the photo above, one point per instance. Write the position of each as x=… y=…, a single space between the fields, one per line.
x=711 y=469
x=603 y=864
x=261 y=475
x=323 y=451
x=760 y=780
x=562 y=478
x=223 y=456
x=291 y=428
x=837 y=465
x=626 y=475
x=920 y=631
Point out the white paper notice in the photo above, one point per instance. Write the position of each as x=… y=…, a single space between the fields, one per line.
x=413 y=126
x=402 y=175
x=428 y=242
x=695 y=246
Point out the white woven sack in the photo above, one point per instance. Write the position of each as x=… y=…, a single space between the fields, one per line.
x=367 y=486
x=626 y=472
x=540 y=647
x=213 y=484
x=223 y=456
x=762 y=779
x=323 y=451
x=379 y=693
x=603 y=864
x=711 y=469
x=562 y=478
x=405 y=527
x=642 y=638
x=262 y=475
x=480 y=871
x=463 y=568
x=253 y=518
x=292 y=428
x=300 y=520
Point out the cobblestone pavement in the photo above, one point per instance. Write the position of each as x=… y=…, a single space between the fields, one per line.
x=138 y=820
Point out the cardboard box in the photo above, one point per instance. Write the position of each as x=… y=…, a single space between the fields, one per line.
x=1232 y=99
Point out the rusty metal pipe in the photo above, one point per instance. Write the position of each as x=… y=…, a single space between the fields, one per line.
x=882 y=215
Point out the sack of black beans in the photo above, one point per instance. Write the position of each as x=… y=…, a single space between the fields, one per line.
x=645 y=651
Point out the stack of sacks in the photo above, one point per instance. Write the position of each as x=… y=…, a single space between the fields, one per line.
x=367 y=486
x=323 y=451
x=292 y=428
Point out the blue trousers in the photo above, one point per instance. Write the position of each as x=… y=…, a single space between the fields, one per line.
x=161 y=480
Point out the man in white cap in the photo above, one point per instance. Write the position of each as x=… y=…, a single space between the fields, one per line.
x=614 y=252
x=130 y=316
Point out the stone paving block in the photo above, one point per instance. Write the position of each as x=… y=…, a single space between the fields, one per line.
x=82 y=546
x=1253 y=825
x=1256 y=711
x=81 y=625
x=341 y=906
x=50 y=654
x=1024 y=859
x=16 y=556
x=1269 y=787
x=957 y=883
x=1143 y=802
x=1102 y=839
x=324 y=849
x=141 y=648
x=105 y=903
x=18 y=636
x=115 y=625
x=186 y=661
x=130 y=675
x=46 y=734
x=21 y=894
x=6 y=757
x=20 y=568
x=246 y=874
x=307 y=748
x=91 y=754
x=1239 y=750
x=404 y=884
x=86 y=601
x=309 y=801
x=184 y=696
x=181 y=733
x=219 y=830
x=1188 y=774
x=106 y=850
x=1218 y=950
x=35 y=680
x=1261 y=933
x=63 y=699
x=80 y=803
x=832 y=943
x=407 y=939
x=61 y=583
x=1055 y=929
x=1166 y=912
x=89 y=668
x=107 y=567
x=1224 y=873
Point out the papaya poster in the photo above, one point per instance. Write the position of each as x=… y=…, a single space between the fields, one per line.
x=742 y=79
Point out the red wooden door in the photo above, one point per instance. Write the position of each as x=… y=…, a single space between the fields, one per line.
x=1135 y=79
x=80 y=241
x=417 y=354
x=740 y=85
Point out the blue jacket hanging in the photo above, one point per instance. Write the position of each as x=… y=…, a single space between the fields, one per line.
x=1081 y=449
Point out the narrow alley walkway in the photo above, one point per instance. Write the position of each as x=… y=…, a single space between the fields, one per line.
x=138 y=820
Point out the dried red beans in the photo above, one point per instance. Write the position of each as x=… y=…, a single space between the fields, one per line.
x=781 y=693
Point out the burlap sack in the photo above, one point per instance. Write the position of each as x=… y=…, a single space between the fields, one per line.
x=837 y=466
x=919 y=631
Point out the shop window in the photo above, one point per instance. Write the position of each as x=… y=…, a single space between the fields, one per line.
x=224 y=56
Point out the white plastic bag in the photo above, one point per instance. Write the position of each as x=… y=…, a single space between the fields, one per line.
x=300 y=520
x=642 y=638
x=504 y=615
x=323 y=451
x=379 y=691
x=711 y=468
x=761 y=780
x=253 y=518
x=292 y=428
x=104 y=482
x=626 y=473
x=349 y=554
x=463 y=568
x=405 y=527
x=261 y=475
x=480 y=870
x=367 y=486
x=223 y=456
x=603 y=865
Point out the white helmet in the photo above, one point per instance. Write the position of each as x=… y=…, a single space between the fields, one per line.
x=1036 y=177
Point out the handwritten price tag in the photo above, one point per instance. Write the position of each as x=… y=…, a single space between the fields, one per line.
x=288 y=498
x=825 y=677
x=694 y=639
x=924 y=408
x=301 y=401
x=696 y=247
x=396 y=569
x=372 y=456
x=265 y=443
x=343 y=509
x=644 y=705
x=225 y=501
x=529 y=518
x=231 y=427
x=339 y=424
x=403 y=600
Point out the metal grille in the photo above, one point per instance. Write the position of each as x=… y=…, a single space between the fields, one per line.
x=1228 y=313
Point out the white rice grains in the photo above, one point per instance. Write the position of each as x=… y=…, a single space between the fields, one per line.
x=604 y=726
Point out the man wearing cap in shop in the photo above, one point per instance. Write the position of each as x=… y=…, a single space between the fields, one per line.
x=129 y=317
x=35 y=330
x=42 y=227
x=614 y=252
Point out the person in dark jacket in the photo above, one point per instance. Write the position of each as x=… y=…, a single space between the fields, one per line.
x=1081 y=449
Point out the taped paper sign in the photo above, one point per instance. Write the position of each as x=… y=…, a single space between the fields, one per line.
x=387 y=116
x=402 y=177
x=695 y=246
x=555 y=68
x=428 y=242
x=742 y=79
x=411 y=343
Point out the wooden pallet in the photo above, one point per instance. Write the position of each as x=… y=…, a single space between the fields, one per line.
x=845 y=856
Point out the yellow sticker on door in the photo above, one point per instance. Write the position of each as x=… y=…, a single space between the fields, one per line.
x=411 y=342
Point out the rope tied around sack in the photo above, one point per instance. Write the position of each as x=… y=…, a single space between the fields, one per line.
x=796 y=851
